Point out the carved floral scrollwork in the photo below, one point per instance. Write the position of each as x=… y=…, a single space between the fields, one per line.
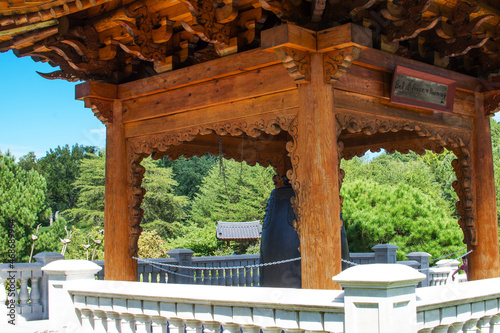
x=457 y=141
x=103 y=109
x=491 y=104
x=208 y=28
x=297 y=63
x=136 y=175
x=159 y=145
x=150 y=43
x=464 y=188
x=336 y=63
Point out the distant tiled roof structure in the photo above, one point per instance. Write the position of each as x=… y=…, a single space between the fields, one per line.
x=239 y=231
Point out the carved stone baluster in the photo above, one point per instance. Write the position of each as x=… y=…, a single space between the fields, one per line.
x=230 y=328
x=24 y=307
x=159 y=325
x=87 y=320
x=484 y=324
x=114 y=322
x=100 y=321
x=495 y=324
x=455 y=328
x=441 y=329
x=128 y=323
x=36 y=306
x=193 y=326
x=470 y=326
x=175 y=325
x=143 y=324
x=211 y=327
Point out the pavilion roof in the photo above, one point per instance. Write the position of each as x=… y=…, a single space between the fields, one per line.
x=118 y=41
x=239 y=231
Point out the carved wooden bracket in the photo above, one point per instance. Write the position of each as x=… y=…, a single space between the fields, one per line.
x=336 y=63
x=296 y=62
x=102 y=108
x=491 y=103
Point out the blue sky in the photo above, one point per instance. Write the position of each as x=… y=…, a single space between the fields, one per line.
x=39 y=114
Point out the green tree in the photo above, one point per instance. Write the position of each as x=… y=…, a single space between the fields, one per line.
x=189 y=173
x=225 y=197
x=398 y=214
x=22 y=196
x=28 y=162
x=61 y=168
x=89 y=208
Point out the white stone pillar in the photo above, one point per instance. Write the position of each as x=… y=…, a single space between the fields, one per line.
x=62 y=314
x=380 y=298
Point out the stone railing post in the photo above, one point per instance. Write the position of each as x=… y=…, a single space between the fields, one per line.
x=62 y=314
x=423 y=259
x=46 y=258
x=385 y=253
x=184 y=257
x=380 y=298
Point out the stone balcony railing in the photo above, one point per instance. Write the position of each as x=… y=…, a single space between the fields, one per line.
x=32 y=302
x=375 y=298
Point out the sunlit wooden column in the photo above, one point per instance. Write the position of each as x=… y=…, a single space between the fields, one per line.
x=318 y=178
x=484 y=261
x=118 y=264
x=102 y=99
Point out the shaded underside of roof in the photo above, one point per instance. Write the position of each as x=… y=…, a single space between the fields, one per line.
x=239 y=231
x=118 y=41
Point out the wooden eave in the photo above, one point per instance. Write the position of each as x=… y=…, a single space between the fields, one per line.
x=119 y=41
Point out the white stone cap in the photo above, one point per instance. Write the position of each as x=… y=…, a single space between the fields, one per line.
x=72 y=269
x=379 y=276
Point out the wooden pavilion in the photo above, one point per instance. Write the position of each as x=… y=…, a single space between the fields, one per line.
x=299 y=83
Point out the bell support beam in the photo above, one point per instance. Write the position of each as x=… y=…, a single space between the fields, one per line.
x=484 y=261
x=118 y=262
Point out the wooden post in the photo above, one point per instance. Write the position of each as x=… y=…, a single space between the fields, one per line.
x=484 y=261
x=318 y=177
x=118 y=264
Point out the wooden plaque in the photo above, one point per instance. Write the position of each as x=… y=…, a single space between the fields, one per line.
x=414 y=88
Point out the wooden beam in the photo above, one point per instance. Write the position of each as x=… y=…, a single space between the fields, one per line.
x=484 y=261
x=216 y=69
x=96 y=90
x=247 y=85
x=288 y=35
x=284 y=104
x=343 y=36
x=357 y=104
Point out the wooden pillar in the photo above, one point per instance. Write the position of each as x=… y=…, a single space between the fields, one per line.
x=118 y=264
x=484 y=261
x=318 y=177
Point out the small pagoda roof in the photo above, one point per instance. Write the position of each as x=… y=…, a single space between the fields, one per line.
x=239 y=231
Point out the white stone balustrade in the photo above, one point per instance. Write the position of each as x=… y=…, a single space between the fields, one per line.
x=376 y=298
x=32 y=300
x=466 y=307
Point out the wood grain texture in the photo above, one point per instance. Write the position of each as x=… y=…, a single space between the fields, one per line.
x=484 y=261
x=316 y=182
x=118 y=263
x=233 y=88
x=218 y=68
x=284 y=104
